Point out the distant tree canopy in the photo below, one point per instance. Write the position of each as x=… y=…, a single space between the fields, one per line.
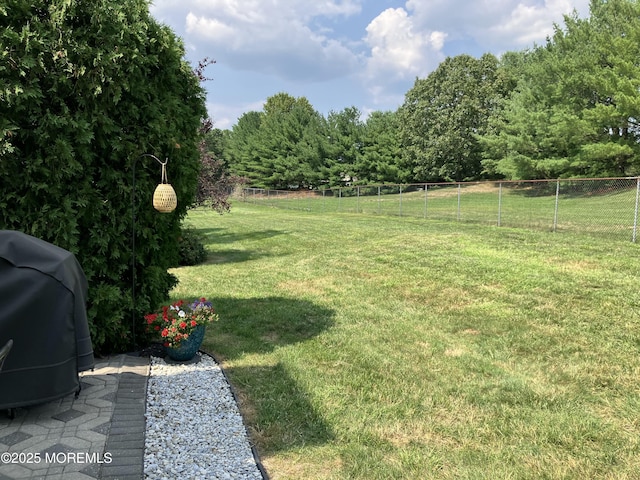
x=568 y=108
x=444 y=114
x=381 y=158
x=290 y=145
x=241 y=150
x=85 y=89
x=289 y=132
x=576 y=106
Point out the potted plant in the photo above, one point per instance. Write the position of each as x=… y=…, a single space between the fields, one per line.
x=181 y=326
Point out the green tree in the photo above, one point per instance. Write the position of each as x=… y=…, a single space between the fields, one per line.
x=575 y=108
x=381 y=158
x=86 y=88
x=241 y=152
x=442 y=116
x=343 y=134
x=289 y=143
x=282 y=103
x=216 y=143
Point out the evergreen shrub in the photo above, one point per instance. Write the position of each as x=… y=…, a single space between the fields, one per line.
x=86 y=88
x=192 y=250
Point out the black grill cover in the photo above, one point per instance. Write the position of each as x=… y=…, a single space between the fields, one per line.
x=43 y=293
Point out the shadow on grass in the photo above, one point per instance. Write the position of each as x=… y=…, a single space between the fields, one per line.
x=219 y=236
x=277 y=410
x=216 y=236
x=233 y=255
x=258 y=325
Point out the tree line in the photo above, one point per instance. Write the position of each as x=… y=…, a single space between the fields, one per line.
x=568 y=108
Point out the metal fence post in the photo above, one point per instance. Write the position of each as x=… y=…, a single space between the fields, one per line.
x=500 y=205
x=555 y=213
x=635 y=214
x=426 y=187
x=607 y=217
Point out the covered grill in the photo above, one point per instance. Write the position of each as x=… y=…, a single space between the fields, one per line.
x=43 y=293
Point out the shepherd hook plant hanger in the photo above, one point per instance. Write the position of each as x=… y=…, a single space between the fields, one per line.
x=164 y=201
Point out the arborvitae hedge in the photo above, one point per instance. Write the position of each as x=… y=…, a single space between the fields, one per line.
x=86 y=87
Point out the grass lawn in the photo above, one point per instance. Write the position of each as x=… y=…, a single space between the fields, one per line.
x=373 y=347
x=592 y=209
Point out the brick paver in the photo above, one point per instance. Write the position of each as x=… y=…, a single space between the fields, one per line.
x=99 y=435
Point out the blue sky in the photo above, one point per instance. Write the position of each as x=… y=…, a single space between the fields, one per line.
x=343 y=53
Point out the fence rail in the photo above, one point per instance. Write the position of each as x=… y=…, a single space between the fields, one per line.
x=603 y=206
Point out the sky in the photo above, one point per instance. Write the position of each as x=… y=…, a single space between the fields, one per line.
x=344 y=53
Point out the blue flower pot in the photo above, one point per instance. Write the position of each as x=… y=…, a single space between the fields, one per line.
x=189 y=347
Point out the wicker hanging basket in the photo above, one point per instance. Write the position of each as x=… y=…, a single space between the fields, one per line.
x=164 y=197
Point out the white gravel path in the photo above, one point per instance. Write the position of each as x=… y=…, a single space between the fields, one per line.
x=194 y=427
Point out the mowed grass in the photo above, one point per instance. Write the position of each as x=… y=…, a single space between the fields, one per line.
x=610 y=213
x=373 y=347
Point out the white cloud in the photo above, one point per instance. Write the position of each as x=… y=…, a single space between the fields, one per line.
x=322 y=46
x=210 y=28
x=495 y=25
x=399 y=50
x=394 y=46
x=261 y=10
x=270 y=36
x=409 y=43
x=529 y=24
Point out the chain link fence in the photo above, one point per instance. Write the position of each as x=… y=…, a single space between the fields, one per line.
x=603 y=206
